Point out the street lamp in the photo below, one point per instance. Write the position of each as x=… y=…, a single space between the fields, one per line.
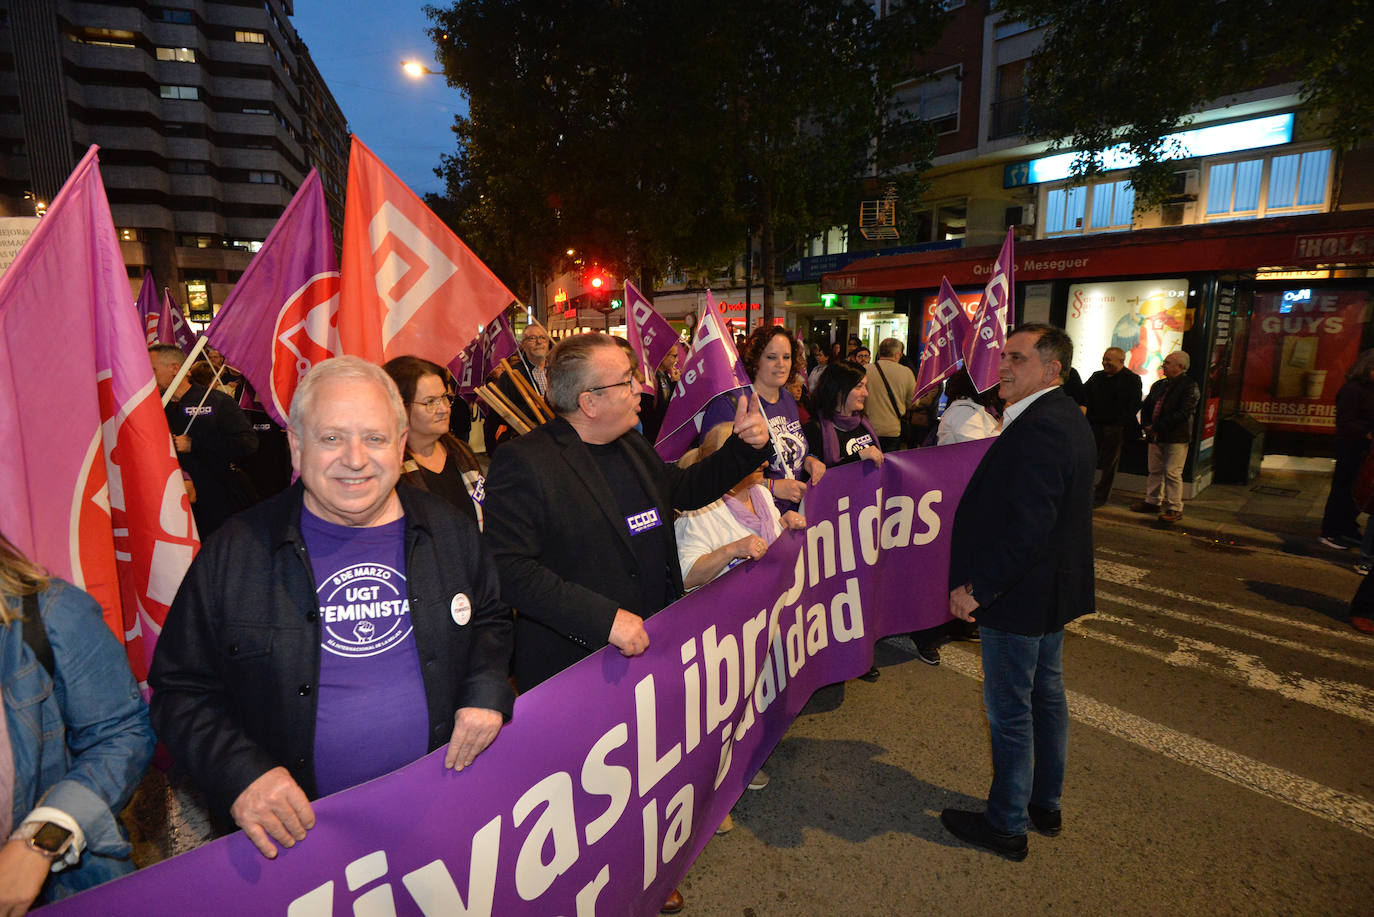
x=414 y=69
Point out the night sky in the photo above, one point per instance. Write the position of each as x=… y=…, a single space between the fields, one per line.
x=358 y=47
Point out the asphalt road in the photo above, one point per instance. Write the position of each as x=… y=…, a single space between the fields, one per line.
x=1221 y=761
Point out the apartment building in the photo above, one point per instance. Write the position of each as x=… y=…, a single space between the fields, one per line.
x=208 y=116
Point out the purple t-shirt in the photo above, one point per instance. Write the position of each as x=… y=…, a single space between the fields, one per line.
x=371 y=715
x=784 y=425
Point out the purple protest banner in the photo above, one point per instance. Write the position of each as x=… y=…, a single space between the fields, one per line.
x=612 y=776
x=650 y=334
x=988 y=332
x=281 y=317
x=712 y=368
x=944 y=349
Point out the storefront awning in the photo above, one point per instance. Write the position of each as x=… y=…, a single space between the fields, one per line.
x=1300 y=243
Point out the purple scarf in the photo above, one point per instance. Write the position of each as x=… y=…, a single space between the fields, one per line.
x=760 y=521
x=830 y=443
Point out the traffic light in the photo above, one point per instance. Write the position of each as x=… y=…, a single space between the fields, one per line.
x=600 y=290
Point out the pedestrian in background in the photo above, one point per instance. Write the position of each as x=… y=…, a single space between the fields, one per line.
x=1113 y=399
x=1167 y=418
x=1354 y=429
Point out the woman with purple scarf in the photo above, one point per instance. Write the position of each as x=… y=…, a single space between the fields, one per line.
x=840 y=433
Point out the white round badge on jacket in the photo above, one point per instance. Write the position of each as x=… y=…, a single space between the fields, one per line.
x=461 y=609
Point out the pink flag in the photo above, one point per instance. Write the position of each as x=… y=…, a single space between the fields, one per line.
x=983 y=346
x=944 y=348
x=712 y=368
x=650 y=334
x=90 y=486
x=497 y=341
x=149 y=307
x=171 y=325
x=281 y=318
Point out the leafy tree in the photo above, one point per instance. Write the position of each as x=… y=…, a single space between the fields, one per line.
x=1133 y=71
x=658 y=133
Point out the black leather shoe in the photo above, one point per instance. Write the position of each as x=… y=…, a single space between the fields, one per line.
x=973 y=828
x=1048 y=822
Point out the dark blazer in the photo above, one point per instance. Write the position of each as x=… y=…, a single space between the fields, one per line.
x=1113 y=399
x=563 y=549
x=1023 y=530
x=236 y=665
x=1175 y=424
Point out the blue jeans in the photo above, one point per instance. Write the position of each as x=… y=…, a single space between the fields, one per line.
x=1028 y=717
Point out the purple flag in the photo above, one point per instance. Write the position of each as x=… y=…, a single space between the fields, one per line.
x=712 y=368
x=983 y=346
x=469 y=370
x=612 y=776
x=943 y=350
x=149 y=307
x=281 y=318
x=650 y=334
x=498 y=341
x=171 y=324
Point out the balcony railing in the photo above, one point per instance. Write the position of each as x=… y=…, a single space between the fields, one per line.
x=1008 y=118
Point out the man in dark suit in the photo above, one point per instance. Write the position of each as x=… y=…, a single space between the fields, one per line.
x=1113 y=398
x=579 y=512
x=1021 y=565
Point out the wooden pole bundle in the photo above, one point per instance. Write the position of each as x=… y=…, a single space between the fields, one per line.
x=539 y=408
x=509 y=413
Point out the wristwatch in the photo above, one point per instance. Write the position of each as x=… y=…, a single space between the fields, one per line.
x=45 y=837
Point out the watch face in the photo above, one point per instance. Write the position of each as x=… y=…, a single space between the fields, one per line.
x=51 y=838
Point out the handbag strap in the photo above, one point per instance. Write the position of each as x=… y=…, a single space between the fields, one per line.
x=35 y=634
x=890 y=397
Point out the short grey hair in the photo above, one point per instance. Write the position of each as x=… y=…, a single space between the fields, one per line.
x=343 y=368
x=570 y=369
x=889 y=347
x=1183 y=358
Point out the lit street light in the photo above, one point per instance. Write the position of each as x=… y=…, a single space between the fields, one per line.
x=414 y=69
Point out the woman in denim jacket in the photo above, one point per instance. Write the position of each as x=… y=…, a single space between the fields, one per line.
x=78 y=741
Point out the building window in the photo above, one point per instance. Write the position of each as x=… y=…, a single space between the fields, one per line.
x=832 y=242
x=187 y=167
x=194 y=241
x=169 y=14
x=935 y=101
x=264 y=178
x=246 y=245
x=184 y=55
x=951 y=221
x=108 y=38
x=251 y=110
x=129 y=234
x=1275 y=185
x=252 y=38
x=1102 y=207
x=179 y=92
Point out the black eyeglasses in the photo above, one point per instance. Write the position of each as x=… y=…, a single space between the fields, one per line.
x=602 y=388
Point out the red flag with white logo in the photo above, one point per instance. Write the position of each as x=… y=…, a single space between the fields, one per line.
x=89 y=483
x=410 y=286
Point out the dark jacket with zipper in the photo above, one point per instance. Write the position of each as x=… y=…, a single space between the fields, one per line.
x=236 y=665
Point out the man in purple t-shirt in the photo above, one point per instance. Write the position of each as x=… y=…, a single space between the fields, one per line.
x=335 y=632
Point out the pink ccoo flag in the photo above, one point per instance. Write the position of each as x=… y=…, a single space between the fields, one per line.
x=943 y=350
x=171 y=325
x=712 y=368
x=471 y=367
x=650 y=334
x=89 y=483
x=497 y=341
x=281 y=318
x=983 y=346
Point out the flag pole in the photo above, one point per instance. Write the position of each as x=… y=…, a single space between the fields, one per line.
x=185 y=368
x=773 y=435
